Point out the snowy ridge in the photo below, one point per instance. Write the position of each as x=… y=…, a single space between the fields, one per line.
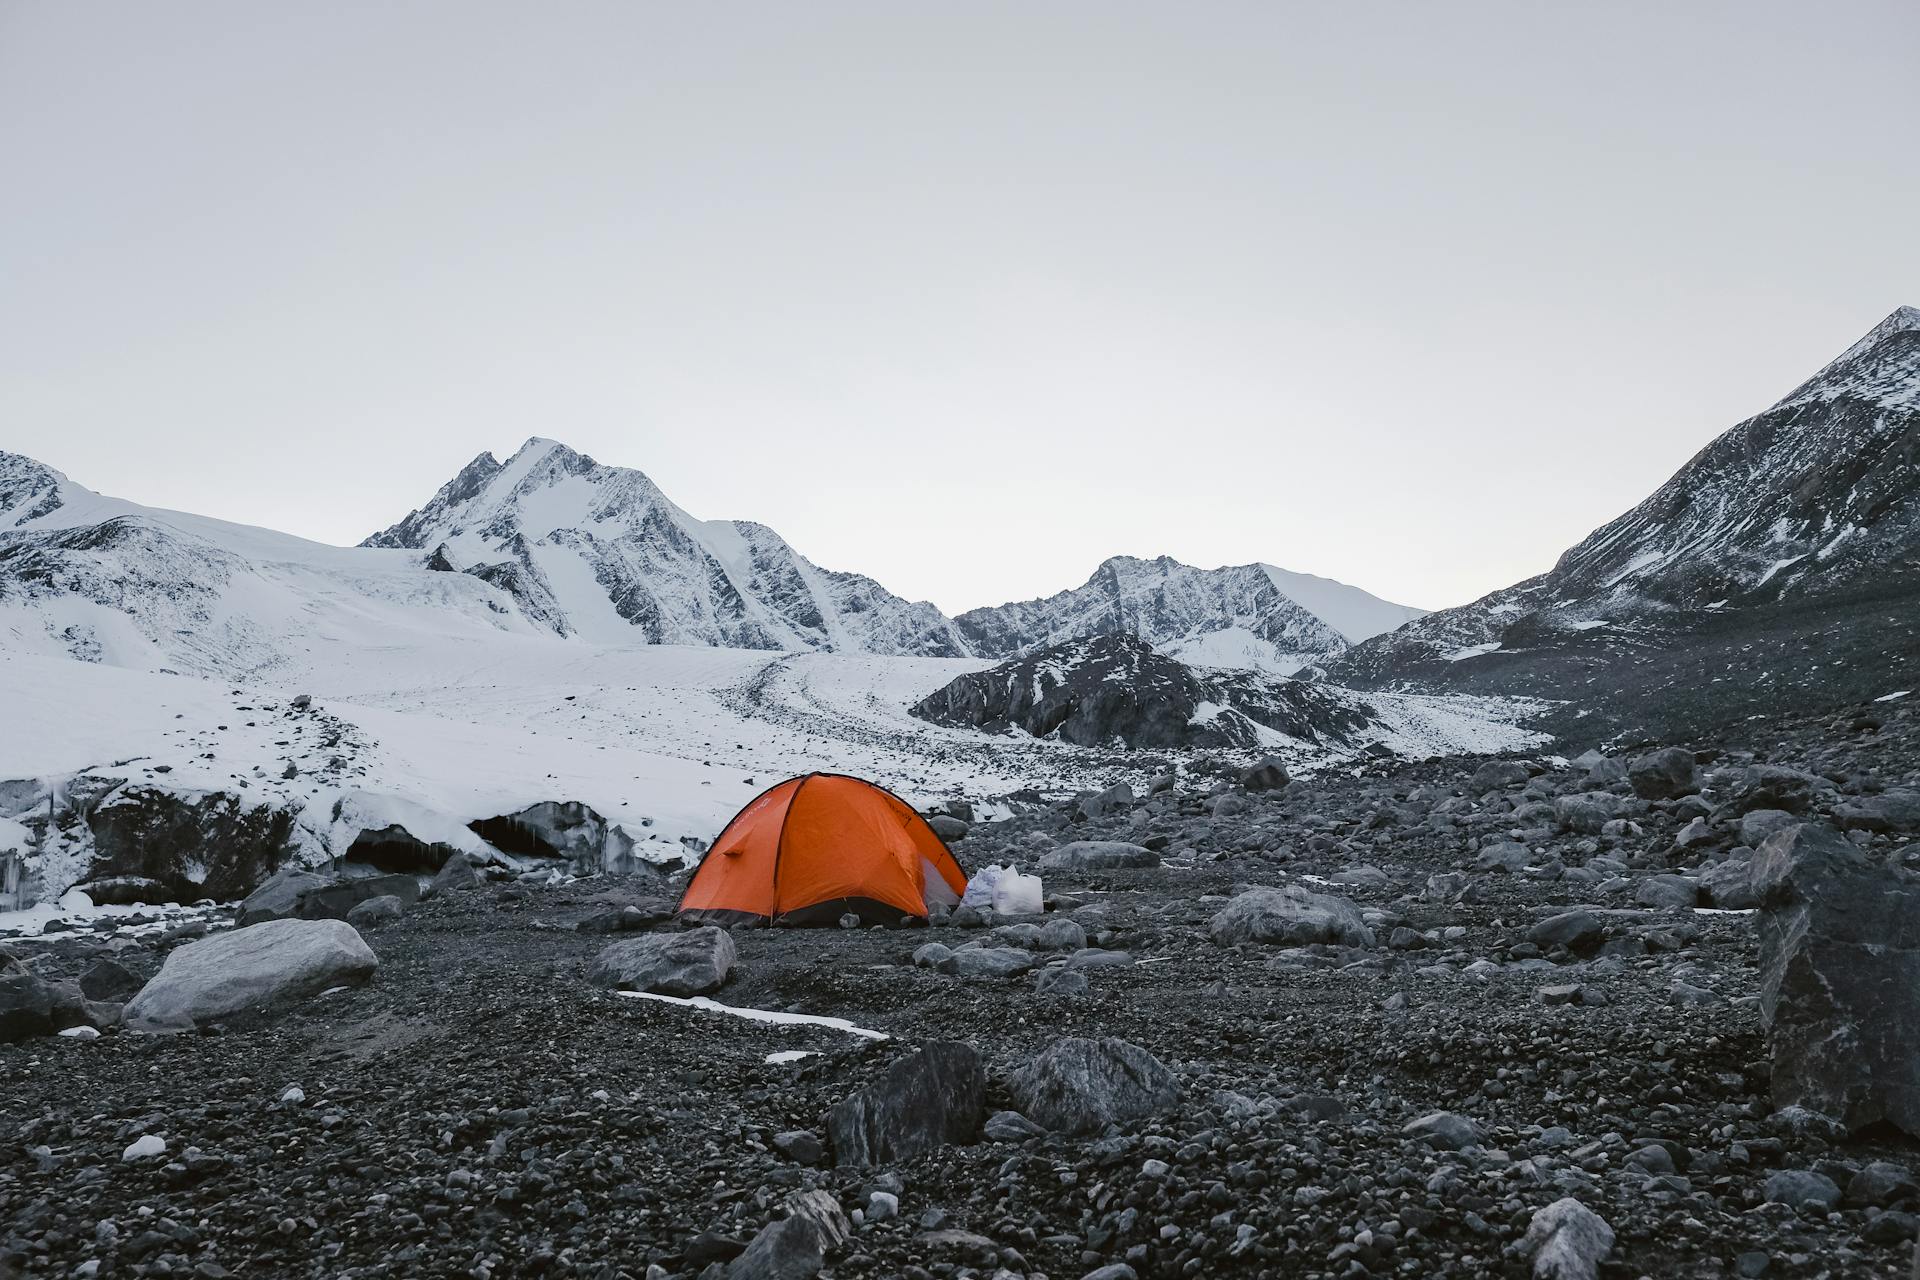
x=1819 y=493
x=1252 y=616
x=601 y=553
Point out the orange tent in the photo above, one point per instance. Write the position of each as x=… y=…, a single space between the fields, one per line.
x=818 y=847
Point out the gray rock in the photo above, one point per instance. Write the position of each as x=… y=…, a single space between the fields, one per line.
x=802 y=1145
x=1065 y=984
x=794 y=1247
x=26 y=1002
x=1446 y=1130
x=1756 y=826
x=1667 y=892
x=1665 y=774
x=279 y=897
x=949 y=829
x=1098 y=958
x=1268 y=775
x=335 y=900
x=987 y=962
x=935 y=1097
x=1082 y=1086
x=629 y=917
x=1061 y=934
x=1292 y=916
x=1574 y=930
x=1497 y=775
x=928 y=955
x=458 y=872
x=1502 y=855
x=1587 y=812
x=1883 y=1185
x=1567 y=1241
x=262 y=965
x=109 y=980
x=1891 y=811
x=1840 y=978
x=1772 y=786
x=1729 y=885
x=1098 y=855
x=1011 y=1126
x=375 y=912
x=1803 y=1189
x=1098 y=804
x=674 y=964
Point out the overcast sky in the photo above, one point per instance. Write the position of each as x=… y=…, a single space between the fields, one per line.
x=965 y=296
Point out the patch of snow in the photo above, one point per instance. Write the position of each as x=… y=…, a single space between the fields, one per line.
x=1895 y=696
x=774 y=1016
x=1473 y=651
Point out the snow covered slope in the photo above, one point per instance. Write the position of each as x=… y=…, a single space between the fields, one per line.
x=1254 y=616
x=101 y=579
x=601 y=553
x=1819 y=496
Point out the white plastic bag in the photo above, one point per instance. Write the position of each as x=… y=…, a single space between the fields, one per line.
x=979 y=894
x=1017 y=895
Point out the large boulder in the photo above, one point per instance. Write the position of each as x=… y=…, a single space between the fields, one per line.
x=1497 y=775
x=671 y=964
x=1098 y=855
x=1773 y=786
x=1268 y=775
x=1586 y=812
x=334 y=901
x=986 y=962
x=1840 y=978
x=259 y=966
x=1567 y=1241
x=794 y=1247
x=948 y=828
x=1576 y=930
x=279 y=897
x=1729 y=885
x=933 y=1098
x=1666 y=774
x=1082 y=1086
x=1292 y=916
x=1890 y=811
x=26 y=1002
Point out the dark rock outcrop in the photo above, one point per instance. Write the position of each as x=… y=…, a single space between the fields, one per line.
x=1082 y=1086
x=935 y=1097
x=1117 y=688
x=1840 y=978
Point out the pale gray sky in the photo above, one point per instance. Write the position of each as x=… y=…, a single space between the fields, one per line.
x=967 y=297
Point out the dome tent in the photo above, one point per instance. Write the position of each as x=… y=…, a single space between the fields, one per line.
x=820 y=846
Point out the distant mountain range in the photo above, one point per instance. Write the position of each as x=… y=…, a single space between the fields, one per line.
x=1795 y=522
x=601 y=552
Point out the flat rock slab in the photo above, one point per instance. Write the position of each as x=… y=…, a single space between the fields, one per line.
x=1098 y=855
x=669 y=964
x=263 y=965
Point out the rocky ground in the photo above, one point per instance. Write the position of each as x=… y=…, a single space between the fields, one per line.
x=482 y=1107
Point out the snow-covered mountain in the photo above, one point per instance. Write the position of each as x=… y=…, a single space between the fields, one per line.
x=1250 y=616
x=1819 y=496
x=600 y=552
x=97 y=578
